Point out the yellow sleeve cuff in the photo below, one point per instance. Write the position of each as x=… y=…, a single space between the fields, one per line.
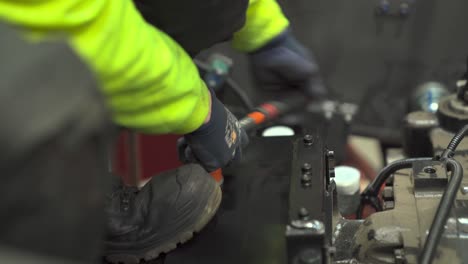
x=265 y=21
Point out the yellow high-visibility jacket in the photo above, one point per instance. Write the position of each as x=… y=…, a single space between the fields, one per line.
x=149 y=81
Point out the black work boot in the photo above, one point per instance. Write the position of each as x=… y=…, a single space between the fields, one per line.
x=166 y=211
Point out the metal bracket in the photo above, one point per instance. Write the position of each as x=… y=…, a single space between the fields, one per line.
x=310 y=202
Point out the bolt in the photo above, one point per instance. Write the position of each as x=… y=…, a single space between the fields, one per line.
x=306 y=167
x=308 y=140
x=429 y=170
x=312 y=225
x=318 y=226
x=330 y=163
x=303 y=213
x=306 y=179
x=464 y=190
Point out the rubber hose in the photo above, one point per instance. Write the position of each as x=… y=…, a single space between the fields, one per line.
x=387 y=171
x=443 y=211
x=449 y=152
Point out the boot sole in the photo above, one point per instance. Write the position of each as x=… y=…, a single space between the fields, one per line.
x=208 y=213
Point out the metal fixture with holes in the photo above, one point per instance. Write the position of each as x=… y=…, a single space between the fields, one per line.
x=310 y=222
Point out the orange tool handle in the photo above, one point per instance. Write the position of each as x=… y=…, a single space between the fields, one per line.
x=218 y=175
x=265 y=112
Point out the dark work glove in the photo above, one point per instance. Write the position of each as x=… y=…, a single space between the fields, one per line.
x=285 y=63
x=216 y=143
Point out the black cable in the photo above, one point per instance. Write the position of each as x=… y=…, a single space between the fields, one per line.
x=372 y=200
x=450 y=193
x=448 y=197
x=443 y=211
x=369 y=195
x=450 y=151
x=374 y=187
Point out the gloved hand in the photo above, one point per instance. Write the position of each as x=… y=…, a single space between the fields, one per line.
x=285 y=63
x=216 y=143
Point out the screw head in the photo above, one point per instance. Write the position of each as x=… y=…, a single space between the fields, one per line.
x=313 y=225
x=429 y=170
x=303 y=213
x=306 y=179
x=308 y=140
x=306 y=167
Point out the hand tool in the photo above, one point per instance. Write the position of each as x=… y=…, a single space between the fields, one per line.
x=262 y=114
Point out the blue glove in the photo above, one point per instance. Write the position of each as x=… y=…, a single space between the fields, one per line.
x=215 y=144
x=285 y=63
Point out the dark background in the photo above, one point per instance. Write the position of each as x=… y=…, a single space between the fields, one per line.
x=375 y=60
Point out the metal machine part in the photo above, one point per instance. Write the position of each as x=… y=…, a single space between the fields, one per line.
x=453 y=113
x=402 y=227
x=337 y=118
x=348 y=180
x=409 y=202
x=279 y=210
x=308 y=234
x=397 y=234
x=416 y=127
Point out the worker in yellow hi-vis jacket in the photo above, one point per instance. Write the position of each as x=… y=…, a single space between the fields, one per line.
x=140 y=53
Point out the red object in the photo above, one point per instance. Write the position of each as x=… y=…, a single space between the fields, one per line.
x=350 y=217
x=140 y=157
x=218 y=175
x=355 y=160
x=367 y=210
x=271 y=110
x=158 y=154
